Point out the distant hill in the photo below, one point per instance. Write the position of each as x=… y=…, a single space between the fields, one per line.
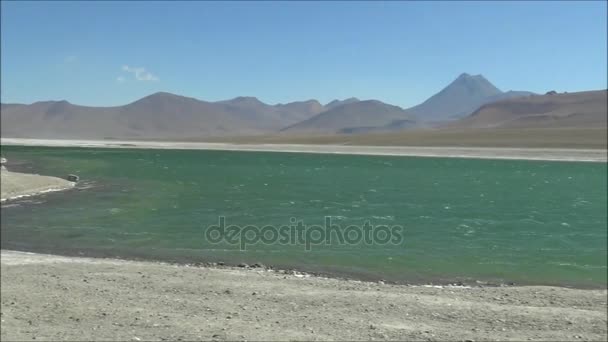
x=353 y=117
x=166 y=115
x=337 y=103
x=580 y=110
x=467 y=102
x=460 y=98
x=160 y=115
x=300 y=110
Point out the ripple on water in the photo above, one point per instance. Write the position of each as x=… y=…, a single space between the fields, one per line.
x=388 y=217
x=577 y=266
x=502 y=224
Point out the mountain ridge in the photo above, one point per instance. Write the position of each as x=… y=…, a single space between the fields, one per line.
x=168 y=115
x=460 y=98
x=351 y=116
x=578 y=109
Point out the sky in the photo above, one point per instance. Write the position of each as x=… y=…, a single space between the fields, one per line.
x=112 y=53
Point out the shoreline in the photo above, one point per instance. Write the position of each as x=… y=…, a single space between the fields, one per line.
x=18 y=256
x=42 y=192
x=341 y=275
x=17 y=185
x=541 y=154
x=132 y=300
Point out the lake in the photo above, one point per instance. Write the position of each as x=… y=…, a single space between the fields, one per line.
x=497 y=221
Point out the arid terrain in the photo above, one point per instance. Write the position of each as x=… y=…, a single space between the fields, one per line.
x=66 y=298
x=568 y=110
x=464 y=113
x=303 y=170
x=16 y=184
x=569 y=120
x=557 y=154
x=589 y=137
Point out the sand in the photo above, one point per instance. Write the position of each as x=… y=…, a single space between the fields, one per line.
x=15 y=184
x=68 y=298
x=551 y=154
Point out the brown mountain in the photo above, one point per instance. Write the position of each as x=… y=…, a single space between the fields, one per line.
x=460 y=98
x=337 y=103
x=351 y=118
x=298 y=111
x=580 y=109
x=161 y=115
x=169 y=116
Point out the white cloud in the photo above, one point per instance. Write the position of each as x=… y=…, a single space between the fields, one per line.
x=140 y=73
x=120 y=79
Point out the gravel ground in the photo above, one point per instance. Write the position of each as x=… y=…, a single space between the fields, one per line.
x=66 y=298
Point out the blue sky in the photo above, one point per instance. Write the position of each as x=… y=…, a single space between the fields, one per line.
x=112 y=53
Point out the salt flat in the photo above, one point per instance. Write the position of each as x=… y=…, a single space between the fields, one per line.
x=548 y=154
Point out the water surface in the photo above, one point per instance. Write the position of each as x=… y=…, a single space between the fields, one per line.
x=528 y=222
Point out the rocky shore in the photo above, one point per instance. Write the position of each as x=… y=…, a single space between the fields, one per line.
x=48 y=297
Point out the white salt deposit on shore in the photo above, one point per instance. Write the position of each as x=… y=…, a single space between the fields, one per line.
x=549 y=154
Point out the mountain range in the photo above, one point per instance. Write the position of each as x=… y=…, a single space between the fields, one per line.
x=160 y=115
x=587 y=109
x=460 y=98
x=170 y=116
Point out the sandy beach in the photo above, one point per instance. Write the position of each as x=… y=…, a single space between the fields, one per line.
x=16 y=184
x=68 y=298
x=550 y=154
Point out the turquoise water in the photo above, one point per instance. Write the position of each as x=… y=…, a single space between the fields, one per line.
x=528 y=222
